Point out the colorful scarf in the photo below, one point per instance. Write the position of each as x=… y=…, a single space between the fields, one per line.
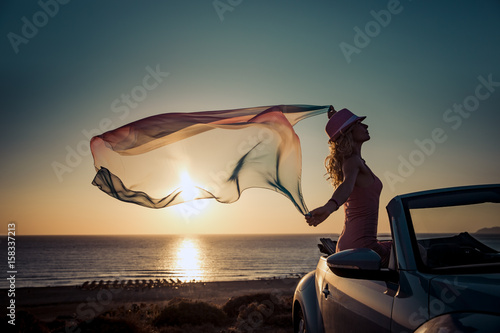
x=172 y=158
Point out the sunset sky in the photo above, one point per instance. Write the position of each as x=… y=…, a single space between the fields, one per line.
x=426 y=75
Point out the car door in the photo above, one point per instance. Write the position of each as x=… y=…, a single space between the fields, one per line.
x=355 y=305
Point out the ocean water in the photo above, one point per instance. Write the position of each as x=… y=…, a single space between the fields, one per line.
x=72 y=260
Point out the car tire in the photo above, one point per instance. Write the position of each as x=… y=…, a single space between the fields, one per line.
x=300 y=322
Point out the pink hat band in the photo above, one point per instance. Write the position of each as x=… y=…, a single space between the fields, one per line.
x=340 y=122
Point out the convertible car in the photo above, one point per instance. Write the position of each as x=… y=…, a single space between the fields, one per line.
x=443 y=275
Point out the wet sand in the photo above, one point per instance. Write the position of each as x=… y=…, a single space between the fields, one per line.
x=49 y=303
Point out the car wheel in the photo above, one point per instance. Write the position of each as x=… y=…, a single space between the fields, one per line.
x=300 y=322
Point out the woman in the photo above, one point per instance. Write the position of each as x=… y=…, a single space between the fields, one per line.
x=357 y=187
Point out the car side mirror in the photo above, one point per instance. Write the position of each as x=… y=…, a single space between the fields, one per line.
x=359 y=263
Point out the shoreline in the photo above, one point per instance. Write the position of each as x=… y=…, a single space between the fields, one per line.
x=49 y=303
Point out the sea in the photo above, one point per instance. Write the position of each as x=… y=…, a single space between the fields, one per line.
x=42 y=261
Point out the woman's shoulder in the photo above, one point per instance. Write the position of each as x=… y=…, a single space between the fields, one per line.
x=353 y=162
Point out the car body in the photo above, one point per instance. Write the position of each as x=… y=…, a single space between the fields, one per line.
x=443 y=275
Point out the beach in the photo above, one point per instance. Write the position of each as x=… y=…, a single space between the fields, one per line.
x=83 y=303
x=69 y=281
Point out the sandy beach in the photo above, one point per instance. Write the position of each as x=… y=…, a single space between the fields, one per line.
x=84 y=303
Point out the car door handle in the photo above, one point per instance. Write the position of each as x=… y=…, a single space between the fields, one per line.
x=326 y=292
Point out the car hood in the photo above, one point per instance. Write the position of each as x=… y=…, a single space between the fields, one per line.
x=473 y=293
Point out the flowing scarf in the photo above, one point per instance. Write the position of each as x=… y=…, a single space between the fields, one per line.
x=172 y=158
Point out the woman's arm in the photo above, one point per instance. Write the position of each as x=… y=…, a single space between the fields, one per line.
x=350 y=168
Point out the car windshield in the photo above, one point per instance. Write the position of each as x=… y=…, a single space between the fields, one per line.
x=457 y=236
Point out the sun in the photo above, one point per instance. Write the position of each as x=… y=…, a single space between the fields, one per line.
x=189 y=191
x=191 y=196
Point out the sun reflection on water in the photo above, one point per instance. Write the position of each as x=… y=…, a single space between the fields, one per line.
x=188 y=262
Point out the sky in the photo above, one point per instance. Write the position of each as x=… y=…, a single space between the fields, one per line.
x=425 y=73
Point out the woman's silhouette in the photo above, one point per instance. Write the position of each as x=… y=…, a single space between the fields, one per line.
x=356 y=186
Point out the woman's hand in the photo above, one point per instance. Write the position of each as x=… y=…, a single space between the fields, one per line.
x=317 y=215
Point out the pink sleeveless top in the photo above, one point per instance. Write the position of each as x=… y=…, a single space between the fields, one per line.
x=361 y=220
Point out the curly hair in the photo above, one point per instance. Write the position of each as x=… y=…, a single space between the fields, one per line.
x=340 y=149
